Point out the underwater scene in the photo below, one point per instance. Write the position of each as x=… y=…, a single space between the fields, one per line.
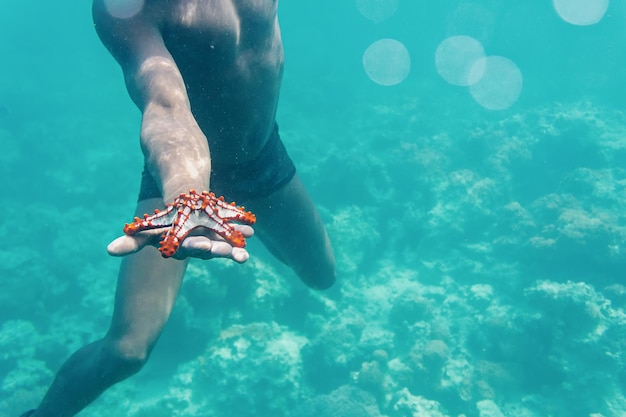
x=468 y=158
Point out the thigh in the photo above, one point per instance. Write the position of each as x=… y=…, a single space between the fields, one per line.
x=147 y=288
x=290 y=226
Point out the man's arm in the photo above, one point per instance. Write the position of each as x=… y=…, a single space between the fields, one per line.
x=175 y=149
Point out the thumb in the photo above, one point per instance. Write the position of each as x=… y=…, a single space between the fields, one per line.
x=125 y=245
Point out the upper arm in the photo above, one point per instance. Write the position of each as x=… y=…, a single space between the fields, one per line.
x=152 y=77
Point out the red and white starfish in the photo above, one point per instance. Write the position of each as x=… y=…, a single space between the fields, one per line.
x=191 y=211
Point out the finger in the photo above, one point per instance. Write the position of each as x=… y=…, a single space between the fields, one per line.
x=203 y=248
x=195 y=247
x=240 y=255
x=247 y=230
x=222 y=249
x=125 y=245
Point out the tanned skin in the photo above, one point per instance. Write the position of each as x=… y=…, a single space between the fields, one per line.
x=206 y=77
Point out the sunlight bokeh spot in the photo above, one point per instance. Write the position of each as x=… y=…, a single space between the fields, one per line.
x=581 y=12
x=123 y=9
x=500 y=82
x=456 y=56
x=387 y=62
x=377 y=10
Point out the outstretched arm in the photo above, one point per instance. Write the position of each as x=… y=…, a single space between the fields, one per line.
x=175 y=149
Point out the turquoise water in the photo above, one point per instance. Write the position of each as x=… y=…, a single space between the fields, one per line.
x=480 y=251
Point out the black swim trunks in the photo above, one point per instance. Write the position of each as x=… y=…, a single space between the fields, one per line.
x=271 y=170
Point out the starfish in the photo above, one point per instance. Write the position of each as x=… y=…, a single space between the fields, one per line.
x=191 y=211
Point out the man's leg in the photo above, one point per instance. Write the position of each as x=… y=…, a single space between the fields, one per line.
x=146 y=290
x=290 y=227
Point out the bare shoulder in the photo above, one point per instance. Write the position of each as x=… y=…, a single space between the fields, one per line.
x=120 y=22
x=129 y=29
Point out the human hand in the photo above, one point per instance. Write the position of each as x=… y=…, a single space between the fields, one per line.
x=198 y=225
x=205 y=246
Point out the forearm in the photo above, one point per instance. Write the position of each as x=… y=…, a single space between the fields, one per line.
x=175 y=149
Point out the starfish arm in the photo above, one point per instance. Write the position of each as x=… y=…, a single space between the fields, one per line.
x=181 y=226
x=228 y=211
x=232 y=212
x=169 y=245
x=213 y=221
x=160 y=218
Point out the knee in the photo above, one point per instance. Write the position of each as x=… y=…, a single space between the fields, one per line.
x=126 y=356
x=321 y=277
x=324 y=283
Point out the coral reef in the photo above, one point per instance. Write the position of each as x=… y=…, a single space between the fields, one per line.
x=345 y=401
